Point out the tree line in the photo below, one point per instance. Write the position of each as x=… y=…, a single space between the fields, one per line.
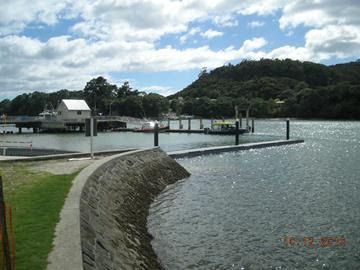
x=102 y=97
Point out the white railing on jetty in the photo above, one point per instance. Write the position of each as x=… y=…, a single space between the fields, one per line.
x=24 y=119
x=18 y=119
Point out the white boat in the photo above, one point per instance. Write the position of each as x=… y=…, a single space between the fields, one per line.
x=150 y=127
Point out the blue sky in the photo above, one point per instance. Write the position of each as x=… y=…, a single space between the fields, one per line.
x=161 y=46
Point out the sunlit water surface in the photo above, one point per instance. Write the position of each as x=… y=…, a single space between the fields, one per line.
x=118 y=140
x=236 y=209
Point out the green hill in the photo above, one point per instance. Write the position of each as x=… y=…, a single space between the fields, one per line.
x=275 y=88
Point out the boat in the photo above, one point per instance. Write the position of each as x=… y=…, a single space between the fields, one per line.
x=225 y=128
x=47 y=115
x=150 y=127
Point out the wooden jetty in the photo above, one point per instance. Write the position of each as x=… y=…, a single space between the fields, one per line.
x=57 y=125
x=205 y=131
x=109 y=123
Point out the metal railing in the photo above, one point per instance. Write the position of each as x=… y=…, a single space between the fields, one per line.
x=4 y=145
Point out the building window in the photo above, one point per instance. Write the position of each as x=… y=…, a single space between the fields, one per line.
x=79 y=112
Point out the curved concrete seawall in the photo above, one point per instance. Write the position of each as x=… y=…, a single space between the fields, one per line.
x=103 y=221
x=116 y=194
x=114 y=208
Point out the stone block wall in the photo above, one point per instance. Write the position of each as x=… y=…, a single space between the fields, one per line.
x=114 y=206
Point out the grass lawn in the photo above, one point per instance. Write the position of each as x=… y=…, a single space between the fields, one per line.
x=36 y=199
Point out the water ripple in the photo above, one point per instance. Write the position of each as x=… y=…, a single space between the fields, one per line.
x=236 y=208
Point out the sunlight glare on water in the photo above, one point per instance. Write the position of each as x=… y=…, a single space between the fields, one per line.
x=237 y=209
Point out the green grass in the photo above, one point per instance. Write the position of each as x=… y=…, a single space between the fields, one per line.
x=36 y=199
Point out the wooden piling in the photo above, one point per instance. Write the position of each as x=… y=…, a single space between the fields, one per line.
x=240 y=119
x=189 y=124
x=237 y=132
x=91 y=138
x=288 y=129
x=201 y=124
x=252 y=125
x=247 y=119
x=156 y=135
x=180 y=124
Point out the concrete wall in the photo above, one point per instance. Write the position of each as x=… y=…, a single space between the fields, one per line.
x=114 y=207
x=230 y=148
x=27 y=152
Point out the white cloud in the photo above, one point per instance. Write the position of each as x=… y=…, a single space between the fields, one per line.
x=192 y=32
x=255 y=24
x=136 y=19
x=210 y=33
x=319 y=13
x=254 y=44
x=301 y=53
x=260 y=7
x=334 y=40
x=16 y=14
x=225 y=20
x=158 y=89
x=28 y=64
x=120 y=35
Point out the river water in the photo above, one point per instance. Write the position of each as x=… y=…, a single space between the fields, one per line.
x=119 y=140
x=288 y=207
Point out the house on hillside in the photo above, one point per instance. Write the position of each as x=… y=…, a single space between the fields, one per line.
x=74 y=109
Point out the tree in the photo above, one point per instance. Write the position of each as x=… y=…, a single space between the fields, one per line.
x=96 y=92
x=19 y=105
x=125 y=90
x=5 y=106
x=154 y=105
x=132 y=106
x=55 y=97
x=36 y=103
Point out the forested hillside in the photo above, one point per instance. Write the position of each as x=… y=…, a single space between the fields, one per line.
x=275 y=88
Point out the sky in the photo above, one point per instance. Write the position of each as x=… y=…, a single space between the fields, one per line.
x=161 y=46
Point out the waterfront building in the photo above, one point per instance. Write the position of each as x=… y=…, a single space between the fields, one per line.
x=73 y=109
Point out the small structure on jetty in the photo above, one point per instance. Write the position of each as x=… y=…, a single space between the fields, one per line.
x=70 y=116
x=73 y=109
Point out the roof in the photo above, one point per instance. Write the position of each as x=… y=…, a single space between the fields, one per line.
x=76 y=105
x=221 y=123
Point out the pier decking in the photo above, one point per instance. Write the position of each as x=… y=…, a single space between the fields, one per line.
x=54 y=124
x=203 y=131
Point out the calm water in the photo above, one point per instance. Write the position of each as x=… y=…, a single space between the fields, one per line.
x=117 y=140
x=236 y=209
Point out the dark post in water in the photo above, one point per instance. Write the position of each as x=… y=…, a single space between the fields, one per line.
x=180 y=124
x=156 y=135
x=252 y=125
x=237 y=132
x=240 y=118
x=247 y=118
x=189 y=125
x=201 y=124
x=90 y=131
x=288 y=129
